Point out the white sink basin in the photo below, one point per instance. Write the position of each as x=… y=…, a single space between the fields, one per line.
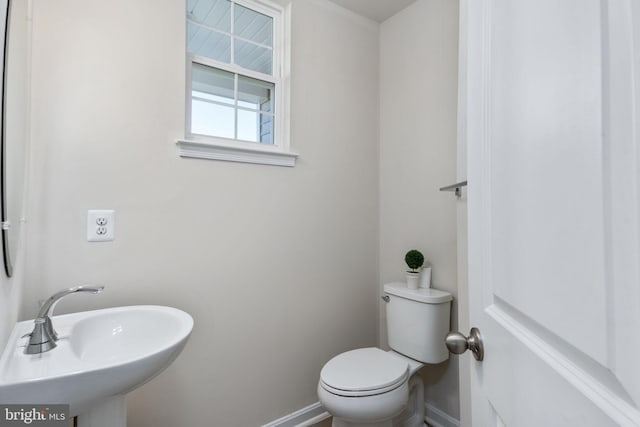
x=99 y=354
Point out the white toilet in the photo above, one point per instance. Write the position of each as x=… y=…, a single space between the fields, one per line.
x=375 y=388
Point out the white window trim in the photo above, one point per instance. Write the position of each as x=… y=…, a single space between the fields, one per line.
x=234 y=152
x=279 y=153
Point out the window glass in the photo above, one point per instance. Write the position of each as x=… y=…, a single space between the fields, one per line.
x=256 y=94
x=218 y=84
x=228 y=42
x=253 y=26
x=253 y=57
x=209 y=34
x=210 y=88
x=248 y=126
x=205 y=42
x=255 y=127
x=215 y=14
x=212 y=119
x=208 y=29
x=266 y=128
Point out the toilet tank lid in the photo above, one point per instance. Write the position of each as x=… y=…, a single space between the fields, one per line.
x=424 y=295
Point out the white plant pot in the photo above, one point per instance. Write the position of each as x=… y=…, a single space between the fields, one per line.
x=426 y=278
x=413 y=279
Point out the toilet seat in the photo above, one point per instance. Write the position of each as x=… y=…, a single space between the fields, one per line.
x=364 y=372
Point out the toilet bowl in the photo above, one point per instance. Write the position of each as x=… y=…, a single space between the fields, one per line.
x=367 y=386
x=370 y=387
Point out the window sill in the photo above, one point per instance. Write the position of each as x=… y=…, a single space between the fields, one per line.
x=262 y=155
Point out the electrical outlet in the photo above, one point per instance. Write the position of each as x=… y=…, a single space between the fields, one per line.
x=100 y=225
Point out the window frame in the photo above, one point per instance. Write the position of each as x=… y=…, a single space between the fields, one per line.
x=220 y=148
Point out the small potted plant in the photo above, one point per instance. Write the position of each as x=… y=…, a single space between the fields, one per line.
x=414 y=260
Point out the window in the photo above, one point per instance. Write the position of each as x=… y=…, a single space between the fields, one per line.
x=236 y=69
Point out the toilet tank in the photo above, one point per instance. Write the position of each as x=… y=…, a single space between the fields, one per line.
x=418 y=321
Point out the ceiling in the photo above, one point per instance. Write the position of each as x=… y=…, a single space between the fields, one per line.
x=378 y=10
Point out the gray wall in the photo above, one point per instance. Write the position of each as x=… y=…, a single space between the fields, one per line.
x=418 y=89
x=17 y=134
x=278 y=266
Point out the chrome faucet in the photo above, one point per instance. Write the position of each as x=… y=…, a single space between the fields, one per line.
x=43 y=337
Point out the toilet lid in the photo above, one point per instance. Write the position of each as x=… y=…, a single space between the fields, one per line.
x=365 y=370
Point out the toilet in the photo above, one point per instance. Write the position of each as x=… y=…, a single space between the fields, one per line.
x=370 y=387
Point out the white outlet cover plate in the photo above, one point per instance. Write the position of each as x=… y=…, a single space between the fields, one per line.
x=100 y=225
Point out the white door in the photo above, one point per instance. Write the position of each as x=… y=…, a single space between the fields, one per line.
x=550 y=90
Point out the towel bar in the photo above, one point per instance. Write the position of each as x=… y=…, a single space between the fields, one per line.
x=456 y=188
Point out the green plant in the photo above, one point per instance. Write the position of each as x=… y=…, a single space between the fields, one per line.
x=414 y=259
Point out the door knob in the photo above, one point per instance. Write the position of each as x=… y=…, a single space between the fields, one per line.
x=458 y=343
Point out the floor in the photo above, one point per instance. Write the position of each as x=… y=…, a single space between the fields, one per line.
x=327 y=423
x=323 y=423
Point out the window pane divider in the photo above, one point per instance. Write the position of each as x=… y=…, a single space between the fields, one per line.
x=211 y=101
x=233 y=68
x=208 y=27
x=268 y=113
x=266 y=46
x=235 y=103
x=225 y=33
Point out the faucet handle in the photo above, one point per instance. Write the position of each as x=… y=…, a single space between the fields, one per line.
x=44 y=336
x=40 y=339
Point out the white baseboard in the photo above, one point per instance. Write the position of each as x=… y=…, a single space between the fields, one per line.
x=304 y=417
x=315 y=413
x=438 y=418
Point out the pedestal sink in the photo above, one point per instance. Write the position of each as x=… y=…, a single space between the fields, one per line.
x=101 y=355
